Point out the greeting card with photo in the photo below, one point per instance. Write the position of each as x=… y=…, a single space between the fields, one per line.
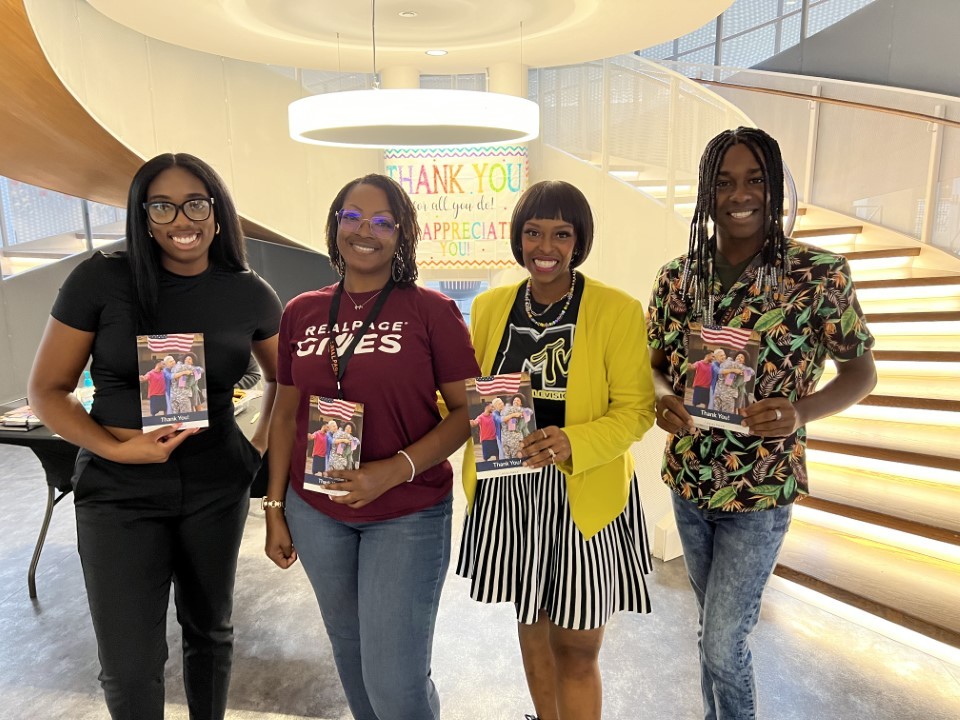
x=721 y=374
x=501 y=415
x=334 y=430
x=173 y=380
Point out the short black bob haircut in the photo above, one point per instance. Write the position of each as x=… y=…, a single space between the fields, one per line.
x=404 y=212
x=554 y=200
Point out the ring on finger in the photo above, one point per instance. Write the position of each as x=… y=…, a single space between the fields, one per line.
x=553 y=453
x=544 y=433
x=778 y=415
x=664 y=412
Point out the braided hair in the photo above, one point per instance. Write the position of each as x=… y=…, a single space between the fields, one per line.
x=698 y=272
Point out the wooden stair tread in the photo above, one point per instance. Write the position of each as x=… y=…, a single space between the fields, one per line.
x=902 y=436
x=918 y=278
x=883 y=519
x=908 y=457
x=915 y=584
x=879 y=253
x=917 y=356
x=826 y=231
x=923 y=502
x=938 y=347
x=939 y=404
x=890 y=614
x=932 y=316
x=873 y=302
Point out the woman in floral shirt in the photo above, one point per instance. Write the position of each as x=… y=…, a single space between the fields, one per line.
x=733 y=492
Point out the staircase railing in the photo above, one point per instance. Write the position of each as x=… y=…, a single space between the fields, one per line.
x=889 y=156
x=641 y=122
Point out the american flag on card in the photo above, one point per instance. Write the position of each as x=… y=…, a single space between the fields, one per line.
x=177 y=342
x=499 y=384
x=343 y=409
x=730 y=337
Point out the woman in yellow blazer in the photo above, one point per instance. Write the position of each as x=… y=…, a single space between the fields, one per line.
x=567 y=545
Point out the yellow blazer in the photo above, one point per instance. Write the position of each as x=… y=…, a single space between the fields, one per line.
x=610 y=397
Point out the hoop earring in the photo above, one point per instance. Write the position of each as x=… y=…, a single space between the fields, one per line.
x=149 y=233
x=217 y=232
x=396 y=268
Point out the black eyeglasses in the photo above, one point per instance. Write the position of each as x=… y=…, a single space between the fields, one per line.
x=163 y=213
x=381 y=226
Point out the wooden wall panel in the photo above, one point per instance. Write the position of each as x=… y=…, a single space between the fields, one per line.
x=46 y=136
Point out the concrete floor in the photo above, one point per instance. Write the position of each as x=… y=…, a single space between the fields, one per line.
x=810 y=664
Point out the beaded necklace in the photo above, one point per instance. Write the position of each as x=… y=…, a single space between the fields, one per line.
x=533 y=316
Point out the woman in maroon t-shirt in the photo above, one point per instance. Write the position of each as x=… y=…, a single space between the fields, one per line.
x=378 y=554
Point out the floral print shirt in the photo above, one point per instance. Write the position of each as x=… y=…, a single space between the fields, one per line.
x=817 y=315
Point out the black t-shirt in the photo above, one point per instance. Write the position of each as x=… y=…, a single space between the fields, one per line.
x=231 y=309
x=542 y=352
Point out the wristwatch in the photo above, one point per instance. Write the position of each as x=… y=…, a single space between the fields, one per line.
x=265 y=503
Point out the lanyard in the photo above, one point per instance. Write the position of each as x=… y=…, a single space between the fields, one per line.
x=339 y=363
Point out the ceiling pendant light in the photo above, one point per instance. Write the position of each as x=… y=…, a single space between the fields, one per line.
x=401 y=118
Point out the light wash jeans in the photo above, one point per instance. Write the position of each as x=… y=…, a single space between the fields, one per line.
x=729 y=558
x=378 y=585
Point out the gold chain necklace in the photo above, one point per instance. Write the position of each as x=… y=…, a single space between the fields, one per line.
x=359 y=306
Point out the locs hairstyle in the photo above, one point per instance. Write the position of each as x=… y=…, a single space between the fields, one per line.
x=553 y=200
x=227 y=251
x=405 y=258
x=698 y=273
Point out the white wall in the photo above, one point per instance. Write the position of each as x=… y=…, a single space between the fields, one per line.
x=634 y=237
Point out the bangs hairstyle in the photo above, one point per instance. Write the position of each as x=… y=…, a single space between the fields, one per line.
x=698 y=273
x=554 y=200
x=228 y=250
x=405 y=214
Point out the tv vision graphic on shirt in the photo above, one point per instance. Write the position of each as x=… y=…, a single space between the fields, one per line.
x=721 y=375
x=501 y=415
x=173 y=380
x=334 y=430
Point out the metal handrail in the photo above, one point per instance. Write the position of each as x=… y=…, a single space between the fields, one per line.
x=832 y=101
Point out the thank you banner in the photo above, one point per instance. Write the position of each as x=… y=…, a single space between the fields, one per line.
x=464 y=198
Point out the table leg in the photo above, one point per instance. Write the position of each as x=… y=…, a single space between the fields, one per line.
x=32 y=573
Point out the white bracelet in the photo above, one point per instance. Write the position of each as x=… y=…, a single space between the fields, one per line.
x=413 y=468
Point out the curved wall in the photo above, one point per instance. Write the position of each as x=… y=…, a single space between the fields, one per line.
x=154 y=97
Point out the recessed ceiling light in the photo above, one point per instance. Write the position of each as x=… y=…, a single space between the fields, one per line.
x=407 y=13
x=436 y=53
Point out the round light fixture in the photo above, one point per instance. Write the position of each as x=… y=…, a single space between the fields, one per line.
x=436 y=53
x=407 y=13
x=403 y=118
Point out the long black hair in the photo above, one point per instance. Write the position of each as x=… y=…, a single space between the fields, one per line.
x=227 y=251
x=404 y=266
x=698 y=272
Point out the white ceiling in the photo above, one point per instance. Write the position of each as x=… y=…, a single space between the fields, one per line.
x=476 y=33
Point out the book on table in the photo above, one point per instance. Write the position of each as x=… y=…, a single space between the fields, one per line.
x=19 y=417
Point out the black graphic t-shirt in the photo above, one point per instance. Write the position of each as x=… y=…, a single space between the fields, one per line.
x=542 y=352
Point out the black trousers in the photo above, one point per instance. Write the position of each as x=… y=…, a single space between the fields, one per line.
x=141 y=527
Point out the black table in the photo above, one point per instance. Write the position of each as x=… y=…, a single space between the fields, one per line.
x=57 y=457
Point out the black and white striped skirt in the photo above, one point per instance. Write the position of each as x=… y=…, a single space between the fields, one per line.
x=520 y=545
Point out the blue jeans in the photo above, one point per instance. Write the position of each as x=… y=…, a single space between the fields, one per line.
x=378 y=585
x=729 y=558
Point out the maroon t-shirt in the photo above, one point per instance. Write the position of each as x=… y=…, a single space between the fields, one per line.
x=418 y=341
